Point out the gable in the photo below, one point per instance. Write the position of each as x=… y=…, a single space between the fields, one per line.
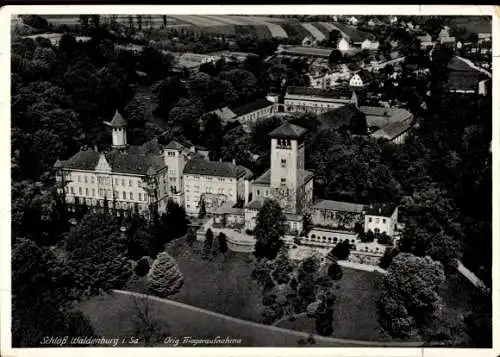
x=103 y=164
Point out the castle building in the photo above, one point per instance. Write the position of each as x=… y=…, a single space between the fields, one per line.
x=124 y=178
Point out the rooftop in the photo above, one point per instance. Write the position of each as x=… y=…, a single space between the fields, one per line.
x=216 y=168
x=380 y=209
x=288 y=131
x=380 y=116
x=251 y=107
x=341 y=92
x=118 y=121
x=392 y=130
x=120 y=162
x=308 y=51
x=340 y=117
x=339 y=206
x=174 y=145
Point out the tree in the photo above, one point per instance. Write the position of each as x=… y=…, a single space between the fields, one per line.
x=42 y=293
x=148 y=327
x=386 y=259
x=97 y=254
x=335 y=57
x=410 y=299
x=207 y=245
x=142 y=267
x=164 y=278
x=333 y=38
x=203 y=211
x=222 y=243
x=212 y=134
x=342 y=250
x=335 y=271
x=175 y=220
x=269 y=229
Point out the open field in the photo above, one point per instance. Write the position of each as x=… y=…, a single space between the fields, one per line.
x=261 y=26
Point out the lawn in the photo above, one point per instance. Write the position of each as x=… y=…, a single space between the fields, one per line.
x=114 y=316
x=222 y=285
x=355 y=311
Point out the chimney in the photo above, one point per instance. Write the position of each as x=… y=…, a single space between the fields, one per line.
x=234 y=162
x=380 y=210
x=96 y=149
x=220 y=160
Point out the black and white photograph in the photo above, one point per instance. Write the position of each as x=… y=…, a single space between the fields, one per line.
x=250 y=179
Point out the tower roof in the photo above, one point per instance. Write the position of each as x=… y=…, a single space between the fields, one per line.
x=288 y=131
x=118 y=121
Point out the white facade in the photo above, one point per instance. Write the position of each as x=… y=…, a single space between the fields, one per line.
x=126 y=190
x=214 y=190
x=356 y=81
x=119 y=137
x=380 y=224
x=343 y=45
x=370 y=45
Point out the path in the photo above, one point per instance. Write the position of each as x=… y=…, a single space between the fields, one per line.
x=473 y=66
x=297 y=334
x=470 y=276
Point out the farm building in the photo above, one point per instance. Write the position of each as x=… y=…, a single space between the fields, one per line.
x=321 y=52
x=299 y=99
x=247 y=113
x=395 y=132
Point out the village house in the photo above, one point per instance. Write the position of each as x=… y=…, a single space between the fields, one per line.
x=361 y=79
x=353 y=20
x=371 y=45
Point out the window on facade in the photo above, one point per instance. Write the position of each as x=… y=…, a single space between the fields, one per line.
x=86 y=191
x=131 y=195
x=85 y=178
x=370 y=220
x=383 y=220
x=140 y=196
x=79 y=190
x=123 y=182
x=79 y=179
x=283 y=180
x=116 y=182
x=170 y=153
x=93 y=192
x=92 y=179
x=197 y=178
x=72 y=190
x=124 y=195
x=258 y=192
x=171 y=172
x=130 y=183
x=115 y=194
x=283 y=162
x=377 y=220
x=145 y=197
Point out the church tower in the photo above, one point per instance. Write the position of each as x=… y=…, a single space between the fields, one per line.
x=119 y=131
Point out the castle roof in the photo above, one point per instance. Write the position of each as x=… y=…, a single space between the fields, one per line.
x=118 y=121
x=216 y=168
x=120 y=162
x=288 y=131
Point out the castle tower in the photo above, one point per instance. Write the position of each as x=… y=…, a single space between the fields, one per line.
x=119 y=131
x=287 y=156
x=174 y=159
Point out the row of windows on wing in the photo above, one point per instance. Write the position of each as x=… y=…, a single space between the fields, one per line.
x=107 y=193
x=284 y=143
x=209 y=178
x=208 y=190
x=102 y=180
x=377 y=220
